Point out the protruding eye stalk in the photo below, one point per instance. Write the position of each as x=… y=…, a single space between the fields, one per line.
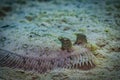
x=81 y=39
x=66 y=44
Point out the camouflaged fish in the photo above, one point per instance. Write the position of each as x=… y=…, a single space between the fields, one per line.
x=69 y=59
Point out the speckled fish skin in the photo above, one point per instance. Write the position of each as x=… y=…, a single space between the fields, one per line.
x=81 y=61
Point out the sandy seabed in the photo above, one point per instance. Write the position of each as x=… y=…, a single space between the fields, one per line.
x=30 y=27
